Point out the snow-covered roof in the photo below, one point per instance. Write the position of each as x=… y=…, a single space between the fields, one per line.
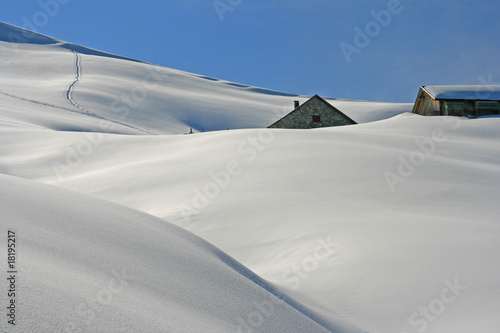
x=481 y=92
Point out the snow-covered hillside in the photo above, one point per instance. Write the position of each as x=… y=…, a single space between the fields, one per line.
x=387 y=226
x=86 y=265
x=126 y=96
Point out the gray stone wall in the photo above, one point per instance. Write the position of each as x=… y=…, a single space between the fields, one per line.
x=302 y=117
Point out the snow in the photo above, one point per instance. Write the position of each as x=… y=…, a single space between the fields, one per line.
x=86 y=265
x=387 y=226
x=481 y=92
x=130 y=97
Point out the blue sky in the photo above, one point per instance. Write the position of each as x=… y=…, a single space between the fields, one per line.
x=360 y=49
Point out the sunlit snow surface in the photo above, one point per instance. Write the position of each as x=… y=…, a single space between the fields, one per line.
x=387 y=226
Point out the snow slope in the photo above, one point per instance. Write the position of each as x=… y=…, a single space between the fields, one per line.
x=269 y=198
x=119 y=95
x=86 y=265
x=391 y=226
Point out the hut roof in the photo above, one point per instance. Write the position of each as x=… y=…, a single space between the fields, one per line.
x=479 y=92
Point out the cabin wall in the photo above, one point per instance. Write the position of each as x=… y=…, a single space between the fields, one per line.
x=425 y=105
x=464 y=108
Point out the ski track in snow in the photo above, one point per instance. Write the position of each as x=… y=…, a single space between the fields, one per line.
x=69 y=93
x=69 y=97
x=49 y=105
x=42 y=103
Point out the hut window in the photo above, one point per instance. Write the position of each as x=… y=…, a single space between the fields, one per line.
x=485 y=108
x=316 y=119
x=455 y=108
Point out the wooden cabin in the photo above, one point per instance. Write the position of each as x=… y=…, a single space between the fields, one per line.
x=461 y=101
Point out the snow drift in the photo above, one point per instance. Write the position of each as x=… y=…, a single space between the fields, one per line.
x=86 y=265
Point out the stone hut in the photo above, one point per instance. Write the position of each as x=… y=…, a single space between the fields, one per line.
x=314 y=113
x=461 y=101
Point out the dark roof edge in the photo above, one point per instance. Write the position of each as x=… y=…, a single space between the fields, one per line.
x=342 y=113
x=289 y=113
x=427 y=91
